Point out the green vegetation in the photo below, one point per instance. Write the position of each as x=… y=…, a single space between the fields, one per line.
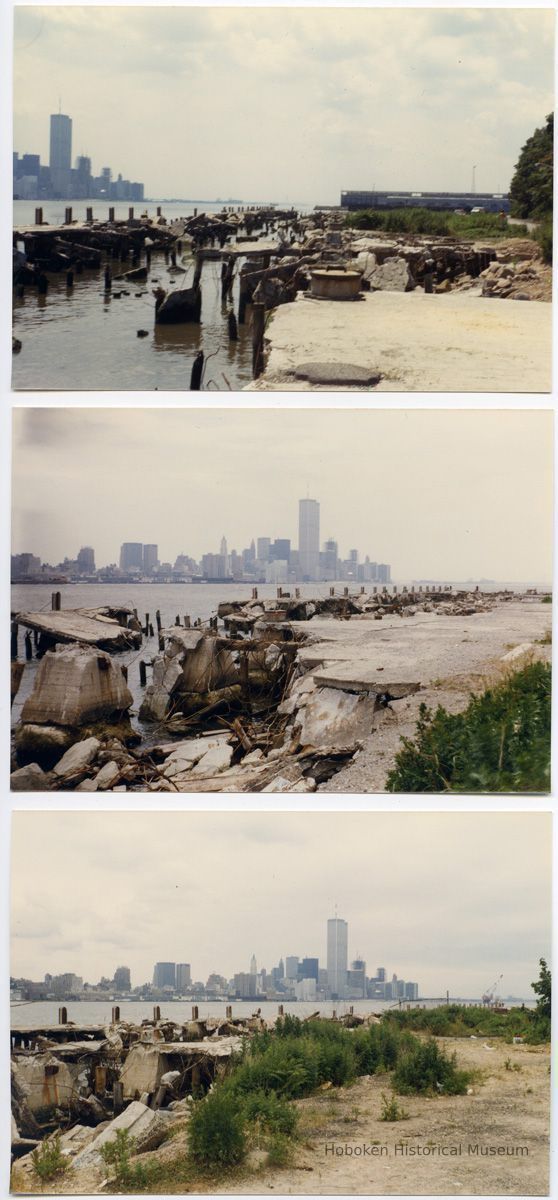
x=391 y=1109
x=435 y=224
x=531 y=185
x=425 y=1068
x=217 y=1135
x=122 y=1173
x=543 y=990
x=48 y=1160
x=459 y=1020
x=500 y=743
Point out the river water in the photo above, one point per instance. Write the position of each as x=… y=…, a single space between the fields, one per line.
x=45 y=1012
x=84 y=339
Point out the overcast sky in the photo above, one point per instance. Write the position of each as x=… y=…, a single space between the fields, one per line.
x=451 y=900
x=438 y=494
x=286 y=103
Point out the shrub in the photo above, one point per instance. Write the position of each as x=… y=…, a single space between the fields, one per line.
x=435 y=223
x=279 y=1151
x=216 y=1131
x=427 y=1069
x=543 y=989
x=544 y=238
x=391 y=1110
x=48 y=1160
x=116 y=1154
x=500 y=743
x=269 y=1111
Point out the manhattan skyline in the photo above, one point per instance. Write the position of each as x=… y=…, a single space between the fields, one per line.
x=448 y=495
x=426 y=892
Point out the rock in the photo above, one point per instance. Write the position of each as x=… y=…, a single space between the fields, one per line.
x=77 y=758
x=279 y=784
x=394 y=275
x=338 y=373
x=43 y=742
x=141 y=333
x=75 y=685
x=144 y=1125
x=217 y=759
x=29 y=779
x=16 y=345
x=335 y=718
x=106 y=777
x=518 y=652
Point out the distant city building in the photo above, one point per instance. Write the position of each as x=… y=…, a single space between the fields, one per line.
x=150 y=557
x=60 y=156
x=245 y=985
x=291 y=967
x=253 y=965
x=131 y=556
x=164 y=975
x=263 y=545
x=86 y=561
x=23 y=565
x=122 y=980
x=384 y=573
x=309 y=539
x=280 y=549
x=309 y=968
x=337 y=940
x=183 y=977
x=66 y=985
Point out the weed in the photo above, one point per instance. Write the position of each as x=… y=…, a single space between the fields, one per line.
x=508 y=1064
x=48 y=1160
x=391 y=1110
x=427 y=1069
x=500 y=743
x=216 y=1131
x=125 y=1176
x=279 y=1151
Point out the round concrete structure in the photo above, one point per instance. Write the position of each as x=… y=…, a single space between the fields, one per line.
x=335 y=285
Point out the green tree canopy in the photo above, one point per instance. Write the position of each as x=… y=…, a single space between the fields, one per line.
x=543 y=988
x=531 y=186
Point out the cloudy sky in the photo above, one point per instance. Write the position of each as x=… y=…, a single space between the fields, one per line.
x=438 y=494
x=286 y=103
x=449 y=899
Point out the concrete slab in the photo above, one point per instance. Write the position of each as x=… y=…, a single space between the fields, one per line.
x=419 y=342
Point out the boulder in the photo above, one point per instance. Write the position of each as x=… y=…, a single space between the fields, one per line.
x=75 y=685
x=29 y=779
x=77 y=758
x=394 y=275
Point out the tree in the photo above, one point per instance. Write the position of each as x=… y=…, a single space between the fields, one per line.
x=531 y=186
x=543 y=987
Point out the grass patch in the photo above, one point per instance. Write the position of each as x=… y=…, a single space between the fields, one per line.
x=48 y=1161
x=500 y=743
x=459 y=1020
x=435 y=223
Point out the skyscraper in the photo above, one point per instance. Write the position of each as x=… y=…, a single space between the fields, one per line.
x=60 y=158
x=183 y=976
x=164 y=975
x=253 y=965
x=337 y=939
x=86 y=560
x=150 y=557
x=131 y=555
x=122 y=980
x=309 y=539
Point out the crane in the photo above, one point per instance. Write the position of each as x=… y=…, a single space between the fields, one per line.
x=488 y=998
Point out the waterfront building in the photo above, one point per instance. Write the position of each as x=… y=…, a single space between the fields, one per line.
x=337 y=957
x=309 y=539
x=448 y=201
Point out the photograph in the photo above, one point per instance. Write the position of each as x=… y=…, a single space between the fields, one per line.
x=280 y=1056
x=297 y=199
x=281 y=600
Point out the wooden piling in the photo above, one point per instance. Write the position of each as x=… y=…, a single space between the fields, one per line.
x=161 y=643
x=186 y=621
x=130 y=214
x=124 y=673
x=146 y=626
x=89 y=214
x=117 y=1097
x=62 y=1016
x=156 y=1013
x=195 y=1012
x=258 y=327
x=177 y=620
x=38 y=216
x=142 y=673
x=151 y=633
x=228 y=1012
x=158 y=620
x=232 y=326
x=28 y=647
x=68 y=216
x=197 y=372
x=13 y=640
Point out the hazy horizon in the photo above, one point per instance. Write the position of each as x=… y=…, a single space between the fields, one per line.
x=438 y=494
x=286 y=104
x=449 y=899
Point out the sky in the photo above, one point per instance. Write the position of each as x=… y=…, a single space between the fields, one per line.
x=442 y=494
x=451 y=900
x=286 y=104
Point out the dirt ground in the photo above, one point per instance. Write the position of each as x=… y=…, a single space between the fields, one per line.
x=418 y=342
x=509 y=1108
x=432 y=1152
